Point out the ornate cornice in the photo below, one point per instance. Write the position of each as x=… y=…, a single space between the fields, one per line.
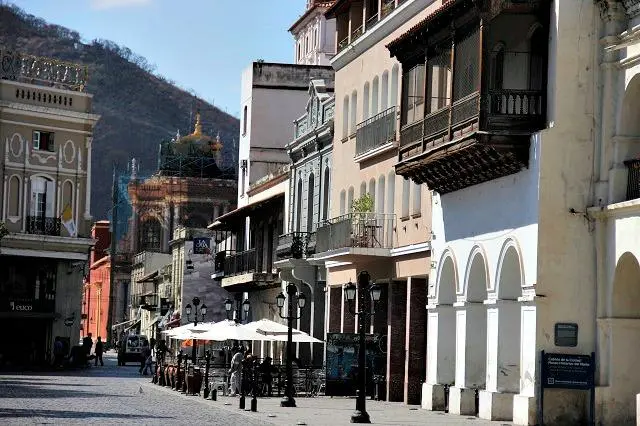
x=632 y=7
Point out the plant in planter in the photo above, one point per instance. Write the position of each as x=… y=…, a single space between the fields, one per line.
x=297 y=246
x=364 y=204
x=3 y=230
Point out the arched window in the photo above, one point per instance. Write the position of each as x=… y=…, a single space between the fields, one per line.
x=384 y=96
x=380 y=197
x=391 y=192
x=343 y=202
x=67 y=196
x=350 y=196
x=150 y=235
x=325 y=190
x=406 y=189
x=42 y=197
x=354 y=112
x=365 y=102
x=299 y=205
x=393 y=93
x=345 y=117
x=372 y=191
x=310 y=194
x=375 y=89
x=363 y=189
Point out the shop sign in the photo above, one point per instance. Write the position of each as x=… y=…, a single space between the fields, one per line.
x=201 y=245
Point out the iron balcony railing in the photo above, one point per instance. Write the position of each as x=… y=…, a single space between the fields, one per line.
x=376 y=131
x=365 y=230
x=240 y=263
x=296 y=245
x=633 y=179
x=43 y=225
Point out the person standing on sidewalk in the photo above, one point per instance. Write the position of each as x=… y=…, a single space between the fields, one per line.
x=98 y=351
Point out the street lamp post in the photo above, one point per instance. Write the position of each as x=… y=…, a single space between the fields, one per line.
x=292 y=293
x=360 y=415
x=241 y=310
x=203 y=312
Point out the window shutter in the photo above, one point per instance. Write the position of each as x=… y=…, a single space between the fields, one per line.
x=51 y=145
x=50 y=197
x=36 y=140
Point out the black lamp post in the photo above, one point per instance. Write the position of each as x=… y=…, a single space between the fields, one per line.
x=360 y=415
x=203 y=312
x=292 y=293
x=241 y=309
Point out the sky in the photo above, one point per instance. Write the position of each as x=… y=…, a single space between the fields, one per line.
x=200 y=44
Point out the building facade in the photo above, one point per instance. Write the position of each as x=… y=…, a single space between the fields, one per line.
x=497 y=118
x=272 y=96
x=46 y=133
x=313 y=34
x=310 y=152
x=378 y=222
x=616 y=212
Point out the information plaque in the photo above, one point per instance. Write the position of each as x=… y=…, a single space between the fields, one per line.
x=566 y=334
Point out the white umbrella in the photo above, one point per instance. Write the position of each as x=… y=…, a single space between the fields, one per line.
x=177 y=330
x=267 y=326
x=299 y=337
x=228 y=330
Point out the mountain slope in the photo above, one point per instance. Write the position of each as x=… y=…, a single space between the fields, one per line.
x=139 y=109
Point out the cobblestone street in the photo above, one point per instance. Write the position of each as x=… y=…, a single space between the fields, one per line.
x=118 y=395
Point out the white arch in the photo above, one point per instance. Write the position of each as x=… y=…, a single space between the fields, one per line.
x=380 y=204
x=477 y=294
x=447 y=270
x=509 y=244
x=20 y=195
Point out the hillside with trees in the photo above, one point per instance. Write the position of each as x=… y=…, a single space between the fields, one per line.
x=139 y=107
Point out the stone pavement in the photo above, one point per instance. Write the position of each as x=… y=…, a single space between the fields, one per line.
x=332 y=411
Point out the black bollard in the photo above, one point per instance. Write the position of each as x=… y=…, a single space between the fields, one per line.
x=214 y=394
x=177 y=372
x=254 y=385
x=205 y=392
x=254 y=404
x=184 y=379
x=241 y=404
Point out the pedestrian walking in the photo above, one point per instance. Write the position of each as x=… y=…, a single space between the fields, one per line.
x=58 y=352
x=98 y=351
x=87 y=344
x=145 y=362
x=236 y=373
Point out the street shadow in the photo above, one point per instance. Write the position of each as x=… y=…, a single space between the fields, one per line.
x=66 y=414
x=37 y=391
x=30 y=380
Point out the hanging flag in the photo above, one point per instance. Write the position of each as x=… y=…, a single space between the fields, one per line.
x=67 y=221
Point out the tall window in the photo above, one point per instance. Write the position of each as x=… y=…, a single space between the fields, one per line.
x=384 y=96
x=350 y=196
x=380 y=198
x=343 y=202
x=345 y=117
x=417 y=199
x=393 y=92
x=325 y=190
x=150 y=235
x=365 y=102
x=375 y=90
x=391 y=192
x=406 y=188
x=363 y=189
x=299 y=205
x=413 y=94
x=438 y=81
x=14 y=196
x=538 y=47
x=466 y=67
x=497 y=67
x=42 y=196
x=310 y=196
x=354 y=111
x=244 y=121
x=372 y=190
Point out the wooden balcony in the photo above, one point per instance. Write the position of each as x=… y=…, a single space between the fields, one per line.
x=453 y=148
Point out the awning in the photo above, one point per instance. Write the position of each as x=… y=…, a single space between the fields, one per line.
x=134 y=325
x=243 y=211
x=122 y=324
x=154 y=321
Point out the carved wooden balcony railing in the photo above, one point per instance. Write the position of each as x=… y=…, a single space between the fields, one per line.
x=240 y=263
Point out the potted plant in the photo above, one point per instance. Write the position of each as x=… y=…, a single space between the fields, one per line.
x=361 y=209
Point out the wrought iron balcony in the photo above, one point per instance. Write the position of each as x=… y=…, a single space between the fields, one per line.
x=240 y=263
x=376 y=131
x=43 y=225
x=633 y=179
x=296 y=245
x=363 y=230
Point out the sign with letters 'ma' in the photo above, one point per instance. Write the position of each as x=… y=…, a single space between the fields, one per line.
x=202 y=245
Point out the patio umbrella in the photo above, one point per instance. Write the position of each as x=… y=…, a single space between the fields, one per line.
x=228 y=330
x=297 y=337
x=267 y=326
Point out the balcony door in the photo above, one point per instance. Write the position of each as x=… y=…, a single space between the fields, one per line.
x=42 y=196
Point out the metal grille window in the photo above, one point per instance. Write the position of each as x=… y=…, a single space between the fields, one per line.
x=466 y=61
x=413 y=94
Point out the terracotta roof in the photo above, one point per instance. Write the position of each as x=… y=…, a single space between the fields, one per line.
x=318 y=5
x=447 y=5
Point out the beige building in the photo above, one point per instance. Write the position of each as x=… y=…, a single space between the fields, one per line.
x=392 y=239
x=46 y=130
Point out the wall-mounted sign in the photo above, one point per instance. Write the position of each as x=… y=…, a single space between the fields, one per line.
x=202 y=245
x=566 y=334
x=20 y=307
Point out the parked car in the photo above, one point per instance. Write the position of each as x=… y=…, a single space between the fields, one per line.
x=131 y=349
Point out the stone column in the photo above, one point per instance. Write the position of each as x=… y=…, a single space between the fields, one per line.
x=396 y=326
x=524 y=404
x=87 y=201
x=471 y=356
x=414 y=368
x=441 y=355
x=503 y=360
